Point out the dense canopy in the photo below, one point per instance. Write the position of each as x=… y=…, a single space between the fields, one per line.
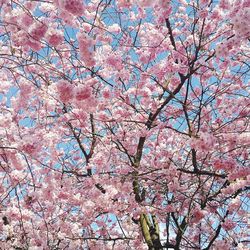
x=124 y=124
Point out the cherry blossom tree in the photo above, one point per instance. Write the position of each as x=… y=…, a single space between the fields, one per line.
x=124 y=124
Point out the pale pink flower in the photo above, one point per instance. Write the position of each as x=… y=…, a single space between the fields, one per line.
x=75 y=7
x=55 y=37
x=38 y=30
x=197 y=215
x=115 y=61
x=228 y=224
x=82 y=93
x=65 y=91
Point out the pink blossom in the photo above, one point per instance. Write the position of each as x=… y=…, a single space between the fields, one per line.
x=203 y=13
x=67 y=17
x=65 y=91
x=218 y=165
x=241 y=24
x=106 y=94
x=114 y=28
x=228 y=225
x=221 y=50
x=131 y=90
x=197 y=215
x=63 y=195
x=224 y=4
x=169 y=209
x=38 y=30
x=54 y=37
x=29 y=148
x=34 y=45
x=75 y=7
x=26 y=20
x=85 y=44
x=124 y=4
x=115 y=61
x=82 y=93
